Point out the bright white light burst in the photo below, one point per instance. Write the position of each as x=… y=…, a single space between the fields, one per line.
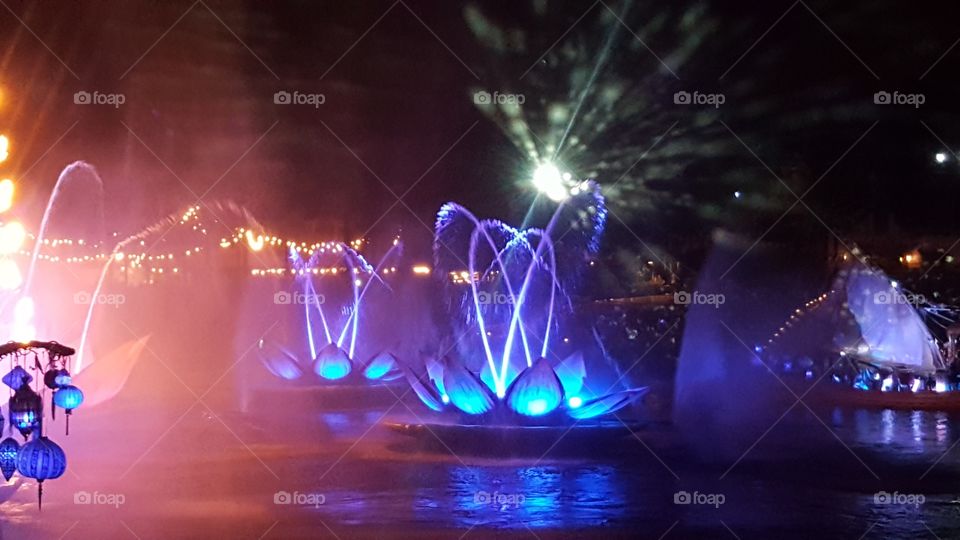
x=548 y=179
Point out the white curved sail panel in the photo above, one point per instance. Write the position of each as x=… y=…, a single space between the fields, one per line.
x=890 y=326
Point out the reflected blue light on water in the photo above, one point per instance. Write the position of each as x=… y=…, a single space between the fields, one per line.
x=942 y=429
x=536 y=497
x=489 y=494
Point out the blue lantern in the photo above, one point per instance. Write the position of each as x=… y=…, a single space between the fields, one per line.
x=17 y=377
x=26 y=408
x=63 y=378
x=8 y=457
x=68 y=397
x=55 y=378
x=41 y=459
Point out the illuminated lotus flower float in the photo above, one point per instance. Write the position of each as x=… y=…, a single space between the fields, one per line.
x=331 y=328
x=506 y=306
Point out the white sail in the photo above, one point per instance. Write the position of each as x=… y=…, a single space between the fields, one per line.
x=890 y=326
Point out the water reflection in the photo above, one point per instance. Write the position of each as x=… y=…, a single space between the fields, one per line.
x=374 y=483
x=923 y=434
x=942 y=429
x=342 y=425
x=916 y=426
x=535 y=496
x=888 y=419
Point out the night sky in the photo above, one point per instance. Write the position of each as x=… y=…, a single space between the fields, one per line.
x=399 y=119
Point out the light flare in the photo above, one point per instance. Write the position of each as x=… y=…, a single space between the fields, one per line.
x=10 y=277
x=254 y=242
x=12 y=236
x=23 y=329
x=7 y=189
x=548 y=179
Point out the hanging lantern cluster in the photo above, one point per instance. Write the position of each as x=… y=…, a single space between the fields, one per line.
x=39 y=457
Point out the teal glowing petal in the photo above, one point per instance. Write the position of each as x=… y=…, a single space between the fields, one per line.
x=279 y=362
x=607 y=404
x=435 y=373
x=332 y=363
x=392 y=375
x=536 y=391
x=426 y=395
x=381 y=366
x=466 y=392
x=571 y=372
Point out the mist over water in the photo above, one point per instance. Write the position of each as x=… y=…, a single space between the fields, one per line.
x=725 y=398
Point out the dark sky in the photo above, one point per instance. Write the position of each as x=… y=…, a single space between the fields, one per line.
x=199 y=119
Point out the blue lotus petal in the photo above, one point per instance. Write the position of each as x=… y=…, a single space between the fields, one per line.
x=392 y=375
x=279 y=362
x=486 y=377
x=572 y=372
x=332 y=363
x=381 y=365
x=536 y=391
x=607 y=404
x=435 y=372
x=426 y=395
x=465 y=391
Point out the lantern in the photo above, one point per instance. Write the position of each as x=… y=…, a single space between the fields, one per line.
x=17 y=377
x=68 y=397
x=41 y=459
x=26 y=408
x=8 y=457
x=55 y=378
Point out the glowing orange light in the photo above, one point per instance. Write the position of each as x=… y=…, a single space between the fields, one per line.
x=23 y=329
x=10 y=277
x=6 y=194
x=12 y=236
x=255 y=243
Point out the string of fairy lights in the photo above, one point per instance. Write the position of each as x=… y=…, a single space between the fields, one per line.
x=142 y=256
x=797 y=315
